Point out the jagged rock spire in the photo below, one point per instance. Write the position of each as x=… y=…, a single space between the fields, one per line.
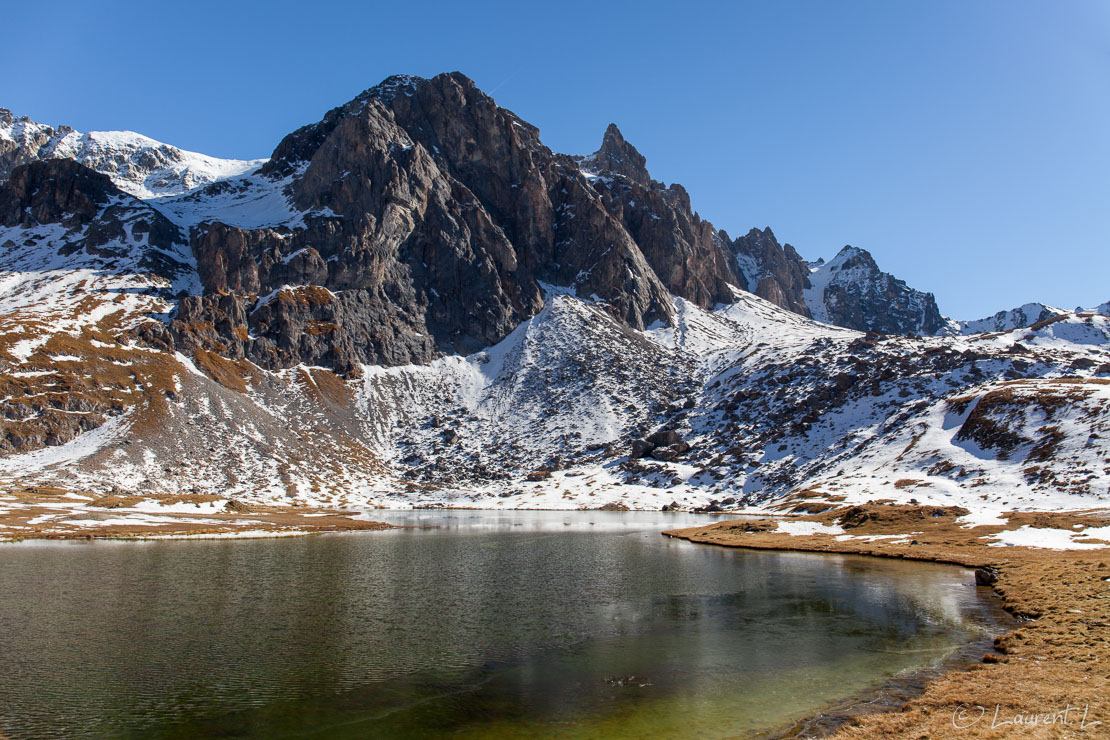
x=618 y=157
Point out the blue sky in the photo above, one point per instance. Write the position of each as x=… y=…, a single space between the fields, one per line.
x=965 y=144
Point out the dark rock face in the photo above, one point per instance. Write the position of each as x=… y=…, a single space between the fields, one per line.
x=858 y=295
x=428 y=220
x=434 y=216
x=687 y=254
x=772 y=271
x=53 y=191
x=101 y=221
x=617 y=157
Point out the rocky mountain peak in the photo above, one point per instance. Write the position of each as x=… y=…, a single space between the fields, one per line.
x=771 y=270
x=851 y=291
x=394 y=85
x=616 y=156
x=850 y=257
x=433 y=218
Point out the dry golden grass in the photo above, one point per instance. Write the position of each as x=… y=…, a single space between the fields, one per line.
x=15 y=522
x=325 y=387
x=231 y=375
x=76 y=381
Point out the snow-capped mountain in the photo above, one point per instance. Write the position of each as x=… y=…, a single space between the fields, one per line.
x=414 y=301
x=1015 y=318
x=137 y=165
x=1103 y=308
x=850 y=290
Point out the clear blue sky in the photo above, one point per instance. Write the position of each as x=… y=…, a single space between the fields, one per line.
x=965 y=143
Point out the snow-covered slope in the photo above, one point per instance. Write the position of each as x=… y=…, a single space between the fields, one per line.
x=137 y=164
x=737 y=407
x=75 y=286
x=1015 y=318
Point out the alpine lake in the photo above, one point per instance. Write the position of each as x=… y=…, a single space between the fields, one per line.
x=467 y=624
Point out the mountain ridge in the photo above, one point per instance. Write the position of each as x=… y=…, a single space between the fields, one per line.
x=139 y=165
x=416 y=302
x=150 y=169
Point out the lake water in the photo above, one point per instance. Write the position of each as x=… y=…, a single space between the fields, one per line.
x=470 y=624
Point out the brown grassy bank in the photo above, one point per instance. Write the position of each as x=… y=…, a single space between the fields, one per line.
x=42 y=513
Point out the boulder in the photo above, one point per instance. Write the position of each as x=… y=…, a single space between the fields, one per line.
x=664 y=438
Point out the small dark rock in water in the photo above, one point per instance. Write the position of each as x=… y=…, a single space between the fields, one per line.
x=986 y=576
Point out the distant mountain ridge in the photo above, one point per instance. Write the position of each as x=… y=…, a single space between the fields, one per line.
x=1015 y=318
x=138 y=165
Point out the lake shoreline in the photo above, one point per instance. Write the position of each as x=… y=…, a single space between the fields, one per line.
x=1048 y=671
x=41 y=513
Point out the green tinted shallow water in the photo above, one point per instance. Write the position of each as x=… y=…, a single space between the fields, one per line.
x=478 y=624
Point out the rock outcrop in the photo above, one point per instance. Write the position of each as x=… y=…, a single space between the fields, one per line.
x=851 y=291
x=773 y=271
x=96 y=219
x=433 y=220
x=617 y=157
x=688 y=254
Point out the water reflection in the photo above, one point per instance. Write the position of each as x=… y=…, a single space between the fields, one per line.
x=477 y=623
